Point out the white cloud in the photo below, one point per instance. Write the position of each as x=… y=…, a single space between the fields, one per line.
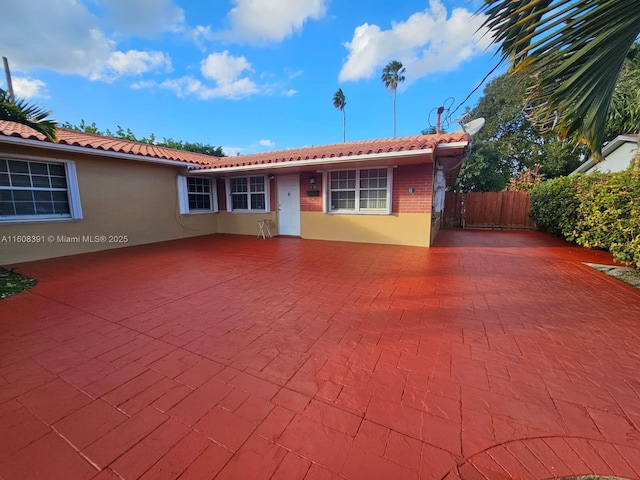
x=267 y=143
x=289 y=93
x=143 y=17
x=427 y=42
x=234 y=151
x=133 y=62
x=224 y=68
x=66 y=37
x=25 y=87
x=63 y=37
x=257 y=21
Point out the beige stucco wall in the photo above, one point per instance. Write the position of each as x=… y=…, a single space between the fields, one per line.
x=119 y=198
x=245 y=223
x=396 y=229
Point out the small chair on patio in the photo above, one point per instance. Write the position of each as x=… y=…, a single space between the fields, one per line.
x=264 y=228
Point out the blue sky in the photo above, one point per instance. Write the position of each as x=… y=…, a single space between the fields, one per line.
x=249 y=75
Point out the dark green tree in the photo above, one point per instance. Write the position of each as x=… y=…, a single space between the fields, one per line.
x=509 y=134
x=484 y=170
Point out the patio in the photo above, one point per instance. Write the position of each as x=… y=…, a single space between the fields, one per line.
x=491 y=355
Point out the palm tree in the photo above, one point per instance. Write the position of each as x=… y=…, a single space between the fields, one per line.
x=339 y=102
x=19 y=111
x=576 y=49
x=392 y=75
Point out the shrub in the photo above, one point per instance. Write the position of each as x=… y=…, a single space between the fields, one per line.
x=553 y=206
x=596 y=210
x=609 y=215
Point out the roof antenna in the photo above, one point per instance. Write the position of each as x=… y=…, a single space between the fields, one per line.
x=7 y=74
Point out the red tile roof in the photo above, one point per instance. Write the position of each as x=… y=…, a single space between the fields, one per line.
x=339 y=150
x=107 y=144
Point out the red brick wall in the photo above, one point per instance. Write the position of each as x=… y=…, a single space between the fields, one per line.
x=222 y=195
x=420 y=177
x=273 y=193
x=310 y=204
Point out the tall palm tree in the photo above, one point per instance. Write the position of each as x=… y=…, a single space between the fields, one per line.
x=392 y=76
x=576 y=49
x=19 y=111
x=339 y=102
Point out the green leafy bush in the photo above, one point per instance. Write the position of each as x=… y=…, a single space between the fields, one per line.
x=595 y=210
x=609 y=215
x=553 y=206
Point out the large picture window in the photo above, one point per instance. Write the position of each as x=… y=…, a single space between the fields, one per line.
x=360 y=191
x=33 y=190
x=248 y=194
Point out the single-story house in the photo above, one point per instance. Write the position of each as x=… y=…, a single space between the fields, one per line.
x=617 y=156
x=88 y=192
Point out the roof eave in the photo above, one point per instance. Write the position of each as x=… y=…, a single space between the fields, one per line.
x=329 y=161
x=92 y=151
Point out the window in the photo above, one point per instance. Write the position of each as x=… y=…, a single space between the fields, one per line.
x=248 y=194
x=360 y=191
x=197 y=195
x=31 y=190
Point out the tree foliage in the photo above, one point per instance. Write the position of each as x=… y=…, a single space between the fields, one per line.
x=339 y=102
x=598 y=210
x=509 y=142
x=19 y=111
x=392 y=76
x=195 y=147
x=624 y=115
x=575 y=50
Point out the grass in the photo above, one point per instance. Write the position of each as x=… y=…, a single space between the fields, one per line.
x=12 y=283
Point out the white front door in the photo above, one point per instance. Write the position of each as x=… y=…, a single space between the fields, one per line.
x=289 y=205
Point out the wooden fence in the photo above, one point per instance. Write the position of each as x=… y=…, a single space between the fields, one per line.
x=487 y=210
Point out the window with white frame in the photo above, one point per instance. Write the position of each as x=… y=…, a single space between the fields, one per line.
x=360 y=191
x=38 y=190
x=248 y=194
x=197 y=195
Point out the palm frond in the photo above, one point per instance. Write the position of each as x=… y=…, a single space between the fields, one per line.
x=575 y=49
x=31 y=115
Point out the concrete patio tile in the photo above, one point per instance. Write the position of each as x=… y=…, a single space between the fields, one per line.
x=178 y=458
x=90 y=423
x=196 y=404
x=332 y=417
x=491 y=355
x=258 y=459
x=120 y=439
x=19 y=428
x=54 y=400
x=225 y=428
x=316 y=442
x=292 y=466
x=55 y=460
x=275 y=423
x=152 y=448
x=208 y=464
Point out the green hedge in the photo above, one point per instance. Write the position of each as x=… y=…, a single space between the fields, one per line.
x=595 y=210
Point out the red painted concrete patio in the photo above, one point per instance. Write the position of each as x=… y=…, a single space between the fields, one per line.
x=492 y=355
